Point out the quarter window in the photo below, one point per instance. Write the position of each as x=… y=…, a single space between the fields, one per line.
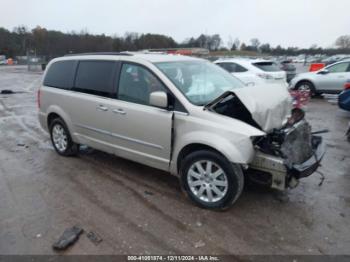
x=240 y=69
x=61 y=74
x=136 y=83
x=96 y=77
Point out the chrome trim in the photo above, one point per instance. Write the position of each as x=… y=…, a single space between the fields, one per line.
x=120 y=136
x=94 y=129
x=136 y=141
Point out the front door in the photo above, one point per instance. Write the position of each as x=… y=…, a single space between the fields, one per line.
x=335 y=79
x=139 y=131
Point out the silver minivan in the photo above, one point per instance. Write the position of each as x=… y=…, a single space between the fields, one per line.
x=180 y=114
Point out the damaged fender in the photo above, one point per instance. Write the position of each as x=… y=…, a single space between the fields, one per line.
x=232 y=138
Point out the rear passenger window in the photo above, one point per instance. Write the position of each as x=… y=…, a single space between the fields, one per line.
x=95 y=77
x=267 y=66
x=229 y=67
x=61 y=74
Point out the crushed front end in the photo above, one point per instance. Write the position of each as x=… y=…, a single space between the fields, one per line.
x=285 y=155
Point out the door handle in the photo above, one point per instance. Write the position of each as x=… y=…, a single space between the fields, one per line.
x=119 y=111
x=102 y=108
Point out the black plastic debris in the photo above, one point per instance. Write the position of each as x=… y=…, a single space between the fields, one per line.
x=69 y=237
x=94 y=238
x=6 y=92
x=149 y=193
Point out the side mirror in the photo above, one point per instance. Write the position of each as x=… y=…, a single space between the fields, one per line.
x=323 y=72
x=158 y=99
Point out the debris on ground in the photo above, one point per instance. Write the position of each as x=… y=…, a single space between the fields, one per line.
x=94 y=238
x=6 y=92
x=199 y=244
x=69 y=237
x=281 y=196
x=22 y=144
x=199 y=224
x=149 y=193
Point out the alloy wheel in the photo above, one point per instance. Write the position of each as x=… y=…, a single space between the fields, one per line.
x=207 y=181
x=59 y=138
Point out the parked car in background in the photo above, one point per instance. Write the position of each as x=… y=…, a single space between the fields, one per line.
x=330 y=79
x=254 y=71
x=289 y=68
x=344 y=98
x=344 y=102
x=3 y=60
x=179 y=114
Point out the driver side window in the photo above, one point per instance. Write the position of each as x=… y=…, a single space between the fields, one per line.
x=339 y=68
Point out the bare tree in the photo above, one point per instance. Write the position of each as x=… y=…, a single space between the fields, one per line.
x=230 y=42
x=255 y=43
x=343 y=42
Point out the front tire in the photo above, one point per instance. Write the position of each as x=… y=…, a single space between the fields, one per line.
x=61 y=139
x=210 y=180
x=306 y=86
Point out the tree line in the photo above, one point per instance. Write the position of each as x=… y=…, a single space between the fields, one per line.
x=52 y=43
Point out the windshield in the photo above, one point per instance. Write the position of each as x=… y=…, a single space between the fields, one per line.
x=200 y=81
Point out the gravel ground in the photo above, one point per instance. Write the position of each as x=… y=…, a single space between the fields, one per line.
x=140 y=210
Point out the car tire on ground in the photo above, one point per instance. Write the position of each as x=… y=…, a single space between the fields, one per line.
x=210 y=180
x=306 y=85
x=61 y=139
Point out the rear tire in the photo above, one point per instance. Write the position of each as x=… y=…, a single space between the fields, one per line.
x=306 y=85
x=61 y=138
x=210 y=180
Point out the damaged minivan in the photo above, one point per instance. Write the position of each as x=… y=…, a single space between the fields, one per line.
x=180 y=114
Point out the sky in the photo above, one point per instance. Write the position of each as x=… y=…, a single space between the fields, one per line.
x=300 y=23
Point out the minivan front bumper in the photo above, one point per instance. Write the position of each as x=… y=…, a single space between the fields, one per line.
x=277 y=174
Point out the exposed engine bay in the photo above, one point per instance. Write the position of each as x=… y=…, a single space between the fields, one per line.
x=285 y=154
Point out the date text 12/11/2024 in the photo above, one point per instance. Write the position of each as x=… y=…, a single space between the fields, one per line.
x=173 y=258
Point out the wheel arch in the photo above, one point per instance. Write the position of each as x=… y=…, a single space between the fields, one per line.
x=239 y=150
x=190 y=148
x=54 y=112
x=305 y=80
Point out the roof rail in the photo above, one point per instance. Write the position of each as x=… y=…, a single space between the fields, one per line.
x=101 y=53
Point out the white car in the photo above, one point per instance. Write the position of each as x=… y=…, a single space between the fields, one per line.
x=255 y=71
x=330 y=79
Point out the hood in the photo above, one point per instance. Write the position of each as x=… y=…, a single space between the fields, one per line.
x=269 y=105
x=306 y=74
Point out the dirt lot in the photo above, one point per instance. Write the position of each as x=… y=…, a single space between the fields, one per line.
x=139 y=210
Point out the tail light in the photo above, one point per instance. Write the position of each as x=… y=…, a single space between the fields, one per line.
x=265 y=76
x=38 y=98
x=347 y=85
